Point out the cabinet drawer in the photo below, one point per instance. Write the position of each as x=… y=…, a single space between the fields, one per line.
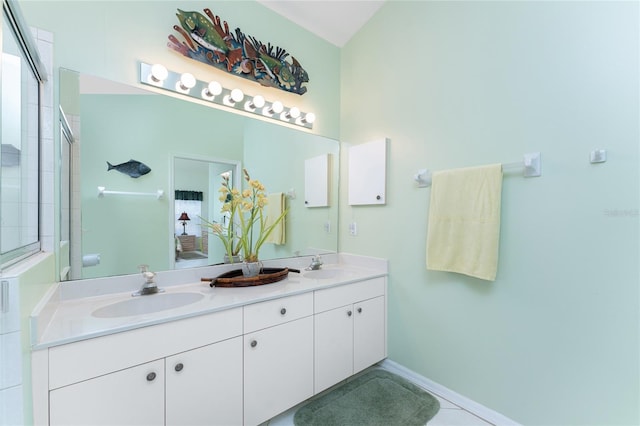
x=273 y=312
x=347 y=294
x=83 y=360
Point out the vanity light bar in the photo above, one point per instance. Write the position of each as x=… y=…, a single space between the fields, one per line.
x=158 y=76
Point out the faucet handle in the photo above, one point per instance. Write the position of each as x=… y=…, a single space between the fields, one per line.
x=148 y=276
x=143 y=268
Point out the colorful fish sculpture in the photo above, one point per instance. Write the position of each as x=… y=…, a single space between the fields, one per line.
x=208 y=40
x=131 y=168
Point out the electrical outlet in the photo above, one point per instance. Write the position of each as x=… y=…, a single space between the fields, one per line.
x=327 y=227
x=353 y=229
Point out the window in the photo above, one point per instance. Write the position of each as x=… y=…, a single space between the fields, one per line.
x=20 y=141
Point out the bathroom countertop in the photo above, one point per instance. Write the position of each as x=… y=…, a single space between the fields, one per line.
x=58 y=320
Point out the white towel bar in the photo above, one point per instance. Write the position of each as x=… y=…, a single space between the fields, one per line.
x=531 y=164
x=102 y=191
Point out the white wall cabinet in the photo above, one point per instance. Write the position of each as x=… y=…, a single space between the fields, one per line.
x=367 y=173
x=316 y=181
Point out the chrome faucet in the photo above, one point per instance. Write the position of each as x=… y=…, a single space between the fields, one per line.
x=316 y=262
x=149 y=286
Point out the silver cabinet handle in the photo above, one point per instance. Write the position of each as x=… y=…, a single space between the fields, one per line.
x=254 y=343
x=151 y=377
x=349 y=313
x=283 y=311
x=179 y=366
x=359 y=310
x=4 y=297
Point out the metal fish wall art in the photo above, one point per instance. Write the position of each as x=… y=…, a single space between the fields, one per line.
x=131 y=168
x=210 y=41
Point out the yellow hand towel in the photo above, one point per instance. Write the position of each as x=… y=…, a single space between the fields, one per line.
x=464 y=221
x=275 y=208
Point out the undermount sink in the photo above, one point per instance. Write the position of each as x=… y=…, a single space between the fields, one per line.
x=323 y=273
x=147 y=304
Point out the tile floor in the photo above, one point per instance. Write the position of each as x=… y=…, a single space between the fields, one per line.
x=449 y=415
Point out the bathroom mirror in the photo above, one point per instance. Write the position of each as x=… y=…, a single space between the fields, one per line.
x=186 y=146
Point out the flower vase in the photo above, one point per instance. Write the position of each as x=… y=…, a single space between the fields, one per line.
x=234 y=259
x=251 y=269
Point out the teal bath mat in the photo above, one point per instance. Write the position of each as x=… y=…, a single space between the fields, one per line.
x=374 y=398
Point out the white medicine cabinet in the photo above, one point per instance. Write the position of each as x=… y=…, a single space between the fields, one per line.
x=368 y=173
x=316 y=181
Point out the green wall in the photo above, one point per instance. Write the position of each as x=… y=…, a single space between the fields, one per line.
x=149 y=129
x=275 y=156
x=555 y=339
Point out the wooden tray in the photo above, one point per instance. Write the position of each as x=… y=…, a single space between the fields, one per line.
x=236 y=279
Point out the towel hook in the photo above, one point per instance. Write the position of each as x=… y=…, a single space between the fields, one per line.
x=423 y=177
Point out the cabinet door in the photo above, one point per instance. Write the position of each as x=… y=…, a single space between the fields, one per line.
x=368 y=333
x=11 y=406
x=278 y=369
x=204 y=386
x=134 y=396
x=10 y=360
x=333 y=347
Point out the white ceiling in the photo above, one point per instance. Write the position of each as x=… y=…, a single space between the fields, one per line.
x=334 y=20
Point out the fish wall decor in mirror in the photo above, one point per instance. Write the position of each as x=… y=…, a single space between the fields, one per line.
x=131 y=168
x=209 y=40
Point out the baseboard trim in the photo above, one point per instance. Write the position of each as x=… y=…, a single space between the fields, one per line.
x=469 y=405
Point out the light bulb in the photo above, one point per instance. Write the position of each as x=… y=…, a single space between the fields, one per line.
x=212 y=90
x=187 y=81
x=309 y=118
x=294 y=113
x=276 y=108
x=237 y=95
x=257 y=102
x=159 y=73
x=232 y=98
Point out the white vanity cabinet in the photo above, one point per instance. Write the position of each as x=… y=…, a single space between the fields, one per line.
x=349 y=330
x=241 y=365
x=132 y=396
x=278 y=356
x=183 y=372
x=204 y=385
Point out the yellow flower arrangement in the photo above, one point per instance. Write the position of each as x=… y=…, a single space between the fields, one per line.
x=245 y=210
